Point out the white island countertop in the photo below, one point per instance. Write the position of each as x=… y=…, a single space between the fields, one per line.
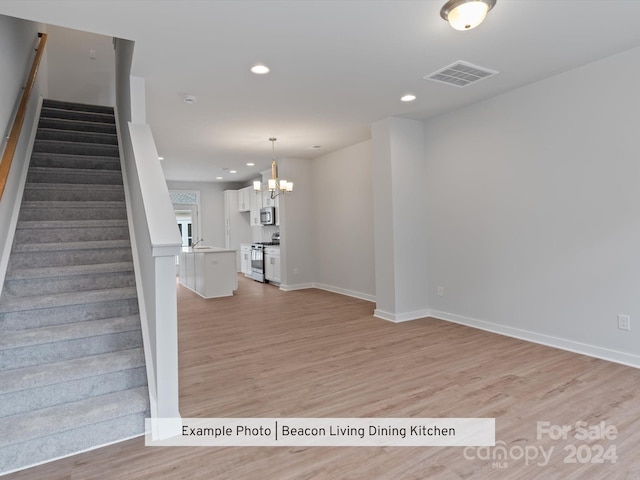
x=206 y=249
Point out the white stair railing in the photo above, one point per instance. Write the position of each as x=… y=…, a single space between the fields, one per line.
x=155 y=243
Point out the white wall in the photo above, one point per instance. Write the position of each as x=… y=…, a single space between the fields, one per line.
x=18 y=39
x=73 y=76
x=211 y=209
x=296 y=225
x=342 y=225
x=533 y=210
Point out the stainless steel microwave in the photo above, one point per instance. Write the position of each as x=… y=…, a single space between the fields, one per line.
x=268 y=215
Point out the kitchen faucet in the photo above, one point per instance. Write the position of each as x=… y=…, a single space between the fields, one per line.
x=194 y=245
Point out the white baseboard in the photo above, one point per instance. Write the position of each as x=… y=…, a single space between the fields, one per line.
x=401 y=317
x=344 y=291
x=542 y=339
x=328 y=288
x=297 y=286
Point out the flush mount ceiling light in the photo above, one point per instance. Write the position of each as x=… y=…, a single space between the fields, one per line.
x=274 y=185
x=260 y=69
x=466 y=14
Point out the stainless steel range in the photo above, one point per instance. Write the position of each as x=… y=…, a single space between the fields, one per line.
x=257 y=257
x=257 y=262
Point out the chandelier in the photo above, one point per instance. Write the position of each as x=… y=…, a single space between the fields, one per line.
x=275 y=185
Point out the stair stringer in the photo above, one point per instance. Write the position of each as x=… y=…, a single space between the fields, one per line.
x=147 y=339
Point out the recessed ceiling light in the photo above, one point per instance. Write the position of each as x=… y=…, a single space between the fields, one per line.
x=316 y=146
x=218 y=178
x=409 y=97
x=233 y=171
x=260 y=69
x=189 y=99
x=160 y=158
x=251 y=164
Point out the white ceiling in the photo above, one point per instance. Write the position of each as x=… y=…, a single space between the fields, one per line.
x=337 y=66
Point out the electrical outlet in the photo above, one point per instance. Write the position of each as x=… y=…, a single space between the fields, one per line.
x=441 y=291
x=624 y=322
x=92 y=54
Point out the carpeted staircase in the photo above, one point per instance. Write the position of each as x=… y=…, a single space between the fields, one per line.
x=72 y=371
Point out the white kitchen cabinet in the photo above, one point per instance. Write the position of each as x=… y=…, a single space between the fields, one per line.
x=237 y=226
x=272 y=271
x=267 y=201
x=256 y=205
x=245 y=259
x=244 y=199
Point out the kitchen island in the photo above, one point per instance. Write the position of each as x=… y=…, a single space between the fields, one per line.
x=208 y=271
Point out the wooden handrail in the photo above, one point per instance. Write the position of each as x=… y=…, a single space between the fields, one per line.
x=12 y=142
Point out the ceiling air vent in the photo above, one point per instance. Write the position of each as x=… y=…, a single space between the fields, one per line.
x=460 y=74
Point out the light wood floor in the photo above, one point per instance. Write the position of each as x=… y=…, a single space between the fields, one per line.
x=267 y=353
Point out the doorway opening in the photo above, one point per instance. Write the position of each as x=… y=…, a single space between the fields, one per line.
x=186 y=205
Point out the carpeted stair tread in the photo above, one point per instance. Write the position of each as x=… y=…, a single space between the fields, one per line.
x=109 y=308
x=56 y=192
x=77 y=125
x=64 y=160
x=73 y=204
x=67 y=284
x=16 y=304
x=75 y=171
x=67 y=271
x=70 y=331
x=77 y=136
x=73 y=176
x=72 y=156
x=82 y=107
x=78 y=148
x=41 y=375
x=52 y=110
x=21 y=428
x=57 y=113
x=73 y=186
x=53 y=247
x=69 y=231
x=32 y=224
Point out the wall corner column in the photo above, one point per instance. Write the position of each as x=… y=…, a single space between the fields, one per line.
x=400 y=231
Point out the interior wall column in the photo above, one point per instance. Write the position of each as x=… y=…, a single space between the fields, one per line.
x=400 y=231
